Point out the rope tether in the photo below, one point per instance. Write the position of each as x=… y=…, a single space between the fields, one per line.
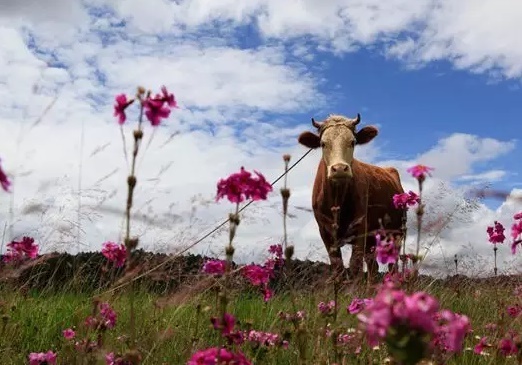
x=209 y=233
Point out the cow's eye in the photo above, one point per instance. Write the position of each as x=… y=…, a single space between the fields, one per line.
x=323 y=144
x=353 y=143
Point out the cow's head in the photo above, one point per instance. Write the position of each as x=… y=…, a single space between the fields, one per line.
x=337 y=138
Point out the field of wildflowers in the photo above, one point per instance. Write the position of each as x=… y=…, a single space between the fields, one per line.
x=402 y=318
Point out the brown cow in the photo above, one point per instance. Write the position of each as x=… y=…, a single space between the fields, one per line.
x=360 y=190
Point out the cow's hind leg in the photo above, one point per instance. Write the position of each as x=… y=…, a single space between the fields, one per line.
x=370 y=258
x=336 y=262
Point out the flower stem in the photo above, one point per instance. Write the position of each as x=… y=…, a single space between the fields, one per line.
x=131 y=244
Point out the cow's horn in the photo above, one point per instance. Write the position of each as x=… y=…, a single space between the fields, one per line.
x=357 y=119
x=315 y=124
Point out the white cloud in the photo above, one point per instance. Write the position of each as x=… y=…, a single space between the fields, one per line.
x=235 y=105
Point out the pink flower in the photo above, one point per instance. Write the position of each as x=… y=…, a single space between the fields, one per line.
x=119 y=108
x=326 y=308
x=168 y=98
x=105 y=319
x=42 y=358
x=108 y=315
x=420 y=171
x=405 y=199
x=393 y=313
x=240 y=186
x=514 y=310
x=20 y=250
x=68 y=333
x=257 y=275
x=159 y=107
x=496 y=233
x=358 y=305
x=115 y=253
x=4 y=180
x=110 y=358
x=154 y=111
x=225 y=324
x=267 y=294
x=491 y=327
x=276 y=250
x=507 y=347
x=265 y=338
x=452 y=330
x=516 y=231
x=220 y=356
x=481 y=345
x=215 y=267
x=386 y=250
x=277 y=261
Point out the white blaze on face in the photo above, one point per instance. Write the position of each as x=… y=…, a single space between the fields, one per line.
x=338 y=143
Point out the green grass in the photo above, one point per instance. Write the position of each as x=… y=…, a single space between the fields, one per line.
x=170 y=329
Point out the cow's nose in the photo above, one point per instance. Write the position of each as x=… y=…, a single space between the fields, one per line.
x=340 y=167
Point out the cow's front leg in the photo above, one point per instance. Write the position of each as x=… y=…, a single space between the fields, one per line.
x=336 y=262
x=334 y=253
x=357 y=258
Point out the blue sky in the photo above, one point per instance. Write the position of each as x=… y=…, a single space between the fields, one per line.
x=440 y=78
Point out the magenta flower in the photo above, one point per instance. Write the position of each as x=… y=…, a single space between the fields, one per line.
x=357 y=305
x=514 y=310
x=215 y=267
x=277 y=261
x=393 y=314
x=42 y=358
x=119 y=108
x=516 y=232
x=105 y=319
x=257 y=275
x=20 y=250
x=115 y=253
x=326 y=308
x=481 y=345
x=420 y=171
x=68 y=333
x=265 y=339
x=267 y=293
x=108 y=315
x=155 y=111
x=405 y=200
x=159 y=107
x=225 y=324
x=496 y=233
x=240 y=186
x=451 y=330
x=516 y=229
x=4 y=180
x=220 y=356
x=168 y=98
x=386 y=250
x=507 y=347
x=110 y=359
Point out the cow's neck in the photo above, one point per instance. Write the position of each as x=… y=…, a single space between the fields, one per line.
x=338 y=194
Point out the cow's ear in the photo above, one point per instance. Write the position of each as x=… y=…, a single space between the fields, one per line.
x=366 y=134
x=309 y=139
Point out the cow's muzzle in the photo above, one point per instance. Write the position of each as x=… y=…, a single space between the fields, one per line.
x=340 y=171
